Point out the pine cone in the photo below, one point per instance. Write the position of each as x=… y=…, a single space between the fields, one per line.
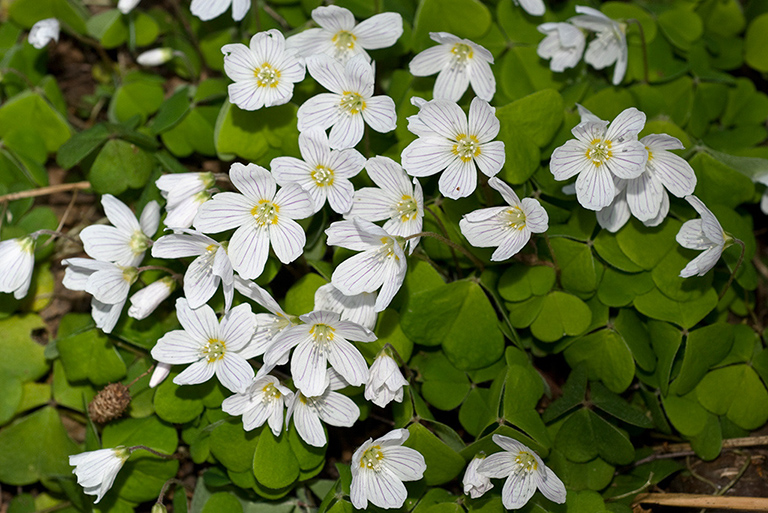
x=109 y=403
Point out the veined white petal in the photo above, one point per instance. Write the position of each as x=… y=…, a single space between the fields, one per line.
x=451 y=83
x=355 y=234
x=340 y=195
x=308 y=368
x=536 y=218
x=234 y=372
x=626 y=125
x=199 y=372
x=518 y=490
x=347 y=361
x=691 y=236
x=150 y=218
x=249 y=250
x=569 y=160
x=293 y=202
x=308 y=423
x=709 y=223
x=321 y=111
x=180 y=245
x=703 y=263
x=394 y=274
x=347 y=131
x=200 y=283
x=675 y=172
x=337 y=410
x=360 y=273
x=430 y=61
x=176 y=347
x=405 y=463
x=225 y=211
x=237 y=327
x=119 y=214
x=288 y=239
x=201 y=324
x=459 y=179
x=595 y=188
x=379 y=31
x=108 y=244
x=427 y=155
x=491 y=158
x=483 y=123
x=512 y=244
x=445 y=118
x=329 y=73
x=379 y=113
x=482 y=80
x=334 y=18
x=255 y=182
x=385 y=490
x=497 y=465
x=533 y=7
x=644 y=196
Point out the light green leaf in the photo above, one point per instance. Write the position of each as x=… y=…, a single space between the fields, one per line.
x=737 y=392
x=521 y=282
x=443 y=463
x=449 y=16
x=656 y=305
x=704 y=348
x=606 y=356
x=274 y=464
x=38 y=115
x=561 y=314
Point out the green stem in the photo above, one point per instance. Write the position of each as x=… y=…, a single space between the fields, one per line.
x=735 y=269
x=644 y=47
x=452 y=244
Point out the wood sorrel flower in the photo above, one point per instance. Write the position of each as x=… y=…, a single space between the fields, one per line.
x=609 y=46
x=702 y=234
x=17 y=260
x=379 y=468
x=450 y=142
x=458 y=63
x=262 y=401
x=339 y=37
x=96 y=470
x=524 y=472
x=264 y=73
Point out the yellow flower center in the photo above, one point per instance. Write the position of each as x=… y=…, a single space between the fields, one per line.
x=407 y=208
x=271 y=393
x=322 y=333
x=515 y=218
x=139 y=242
x=526 y=462
x=388 y=248
x=266 y=76
x=462 y=53
x=467 y=147
x=352 y=103
x=372 y=458
x=344 y=40
x=599 y=151
x=322 y=175
x=213 y=350
x=265 y=213
x=650 y=153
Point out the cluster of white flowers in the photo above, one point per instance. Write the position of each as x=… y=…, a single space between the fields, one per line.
x=618 y=175
x=565 y=42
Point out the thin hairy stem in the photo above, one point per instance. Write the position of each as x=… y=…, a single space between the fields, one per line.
x=156 y=453
x=735 y=268
x=644 y=47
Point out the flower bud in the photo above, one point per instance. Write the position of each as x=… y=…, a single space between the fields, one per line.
x=155 y=57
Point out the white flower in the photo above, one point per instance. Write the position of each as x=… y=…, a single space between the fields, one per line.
x=646 y=194
x=476 y=484
x=323 y=338
x=126 y=6
x=532 y=7
x=43 y=32
x=126 y=241
x=609 y=46
x=360 y=308
x=108 y=283
x=17 y=261
x=599 y=153
x=268 y=325
x=507 y=228
x=155 y=57
x=263 y=401
x=184 y=193
x=324 y=173
x=211 y=267
x=564 y=44
x=382 y=263
x=379 y=468
x=162 y=370
x=262 y=215
x=147 y=299
x=350 y=103
x=96 y=470
x=210 y=9
x=524 y=471
x=458 y=63
x=331 y=407
x=210 y=348
x=456 y=145
x=396 y=199
x=385 y=381
x=264 y=74
x=615 y=215
x=339 y=37
x=702 y=234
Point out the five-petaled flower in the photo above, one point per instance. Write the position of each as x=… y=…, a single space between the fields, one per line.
x=264 y=400
x=507 y=228
x=322 y=338
x=381 y=264
x=458 y=63
x=451 y=143
x=524 y=472
x=262 y=215
x=324 y=173
x=379 y=468
x=598 y=154
x=564 y=45
x=17 y=260
x=210 y=347
x=396 y=199
x=264 y=73
x=350 y=104
x=339 y=37
x=385 y=381
x=702 y=234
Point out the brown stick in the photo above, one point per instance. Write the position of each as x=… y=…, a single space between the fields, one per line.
x=43 y=191
x=749 y=441
x=687 y=500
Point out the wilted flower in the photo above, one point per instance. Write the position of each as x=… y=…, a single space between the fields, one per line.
x=564 y=45
x=702 y=234
x=379 y=468
x=264 y=73
x=96 y=470
x=458 y=63
x=476 y=484
x=339 y=37
x=43 y=32
x=524 y=472
x=610 y=45
x=507 y=228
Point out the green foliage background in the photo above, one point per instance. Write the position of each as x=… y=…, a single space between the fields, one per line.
x=586 y=347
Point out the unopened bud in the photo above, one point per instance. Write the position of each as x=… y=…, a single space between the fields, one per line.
x=155 y=57
x=158 y=508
